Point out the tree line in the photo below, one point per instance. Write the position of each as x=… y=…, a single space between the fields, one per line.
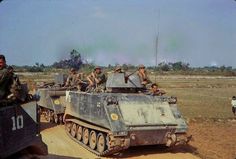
x=75 y=61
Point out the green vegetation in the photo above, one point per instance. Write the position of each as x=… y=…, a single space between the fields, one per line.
x=204 y=97
x=163 y=68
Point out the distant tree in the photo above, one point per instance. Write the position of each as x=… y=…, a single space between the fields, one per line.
x=164 y=66
x=109 y=66
x=36 y=68
x=222 y=68
x=75 y=61
x=180 y=66
x=37 y=64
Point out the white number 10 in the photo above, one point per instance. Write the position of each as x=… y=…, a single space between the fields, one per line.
x=17 y=122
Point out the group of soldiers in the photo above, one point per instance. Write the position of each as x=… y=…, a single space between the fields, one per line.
x=10 y=86
x=97 y=80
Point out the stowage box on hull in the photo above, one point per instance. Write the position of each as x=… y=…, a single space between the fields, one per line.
x=19 y=129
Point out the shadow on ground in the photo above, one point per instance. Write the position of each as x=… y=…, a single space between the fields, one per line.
x=156 y=149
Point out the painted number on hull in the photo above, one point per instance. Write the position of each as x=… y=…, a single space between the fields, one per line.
x=17 y=122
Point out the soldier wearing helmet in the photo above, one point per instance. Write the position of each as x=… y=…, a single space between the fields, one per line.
x=74 y=79
x=97 y=79
x=118 y=69
x=142 y=73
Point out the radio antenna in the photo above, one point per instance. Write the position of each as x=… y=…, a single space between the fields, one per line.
x=156 y=45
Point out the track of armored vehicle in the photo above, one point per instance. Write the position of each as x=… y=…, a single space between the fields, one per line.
x=107 y=123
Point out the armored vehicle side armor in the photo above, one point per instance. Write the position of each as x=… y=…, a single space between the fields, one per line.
x=123 y=116
x=19 y=128
x=52 y=99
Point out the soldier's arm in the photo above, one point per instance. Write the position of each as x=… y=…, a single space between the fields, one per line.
x=89 y=79
x=67 y=81
x=101 y=79
x=97 y=80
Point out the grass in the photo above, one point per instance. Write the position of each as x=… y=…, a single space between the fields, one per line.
x=201 y=97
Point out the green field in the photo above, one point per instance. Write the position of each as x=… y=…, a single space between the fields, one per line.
x=201 y=96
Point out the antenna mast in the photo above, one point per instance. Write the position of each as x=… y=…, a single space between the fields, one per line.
x=156 y=44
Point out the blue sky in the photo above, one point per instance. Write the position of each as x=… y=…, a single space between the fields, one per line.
x=199 y=32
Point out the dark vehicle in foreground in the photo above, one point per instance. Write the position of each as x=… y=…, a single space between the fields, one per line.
x=123 y=116
x=19 y=128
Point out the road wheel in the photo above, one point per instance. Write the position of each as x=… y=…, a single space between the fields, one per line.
x=60 y=119
x=49 y=116
x=93 y=140
x=85 y=136
x=73 y=130
x=79 y=133
x=68 y=126
x=101 y=143
x=46 y=115
x=56 y=118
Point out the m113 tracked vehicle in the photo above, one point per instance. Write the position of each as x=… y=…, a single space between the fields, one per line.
x=52 y=99
x=19 y=127
x=123 y=116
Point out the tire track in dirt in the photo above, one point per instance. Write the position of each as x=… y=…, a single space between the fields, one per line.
x=61 y=146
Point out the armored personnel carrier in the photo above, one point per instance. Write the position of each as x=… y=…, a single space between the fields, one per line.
x=19 y=128
x=52 y=99
x=123 y=116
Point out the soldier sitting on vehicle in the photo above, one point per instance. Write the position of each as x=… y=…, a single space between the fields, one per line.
x=118 y=69
x=142 y=73
x=97 y=80
x=154 y=91
x=74 y=80
x=233 y=102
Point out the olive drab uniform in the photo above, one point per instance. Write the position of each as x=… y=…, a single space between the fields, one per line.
x=144 y=77
x=100 y=86
x=6 y=80
x=158 y=92
x=73 y=80
x=18 y=91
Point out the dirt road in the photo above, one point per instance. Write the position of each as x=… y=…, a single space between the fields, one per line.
x=61 y=146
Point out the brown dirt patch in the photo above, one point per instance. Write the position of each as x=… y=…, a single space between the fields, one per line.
x=214 y=139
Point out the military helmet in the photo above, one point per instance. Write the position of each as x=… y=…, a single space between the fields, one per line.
x=118 y=67
x=97 y=67
x=141 y=66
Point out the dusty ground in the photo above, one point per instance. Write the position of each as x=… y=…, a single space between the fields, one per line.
x=61 y=146
x=214 y=139
x=211 y=140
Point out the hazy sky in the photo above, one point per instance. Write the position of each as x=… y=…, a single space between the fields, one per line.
x=200 y=32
